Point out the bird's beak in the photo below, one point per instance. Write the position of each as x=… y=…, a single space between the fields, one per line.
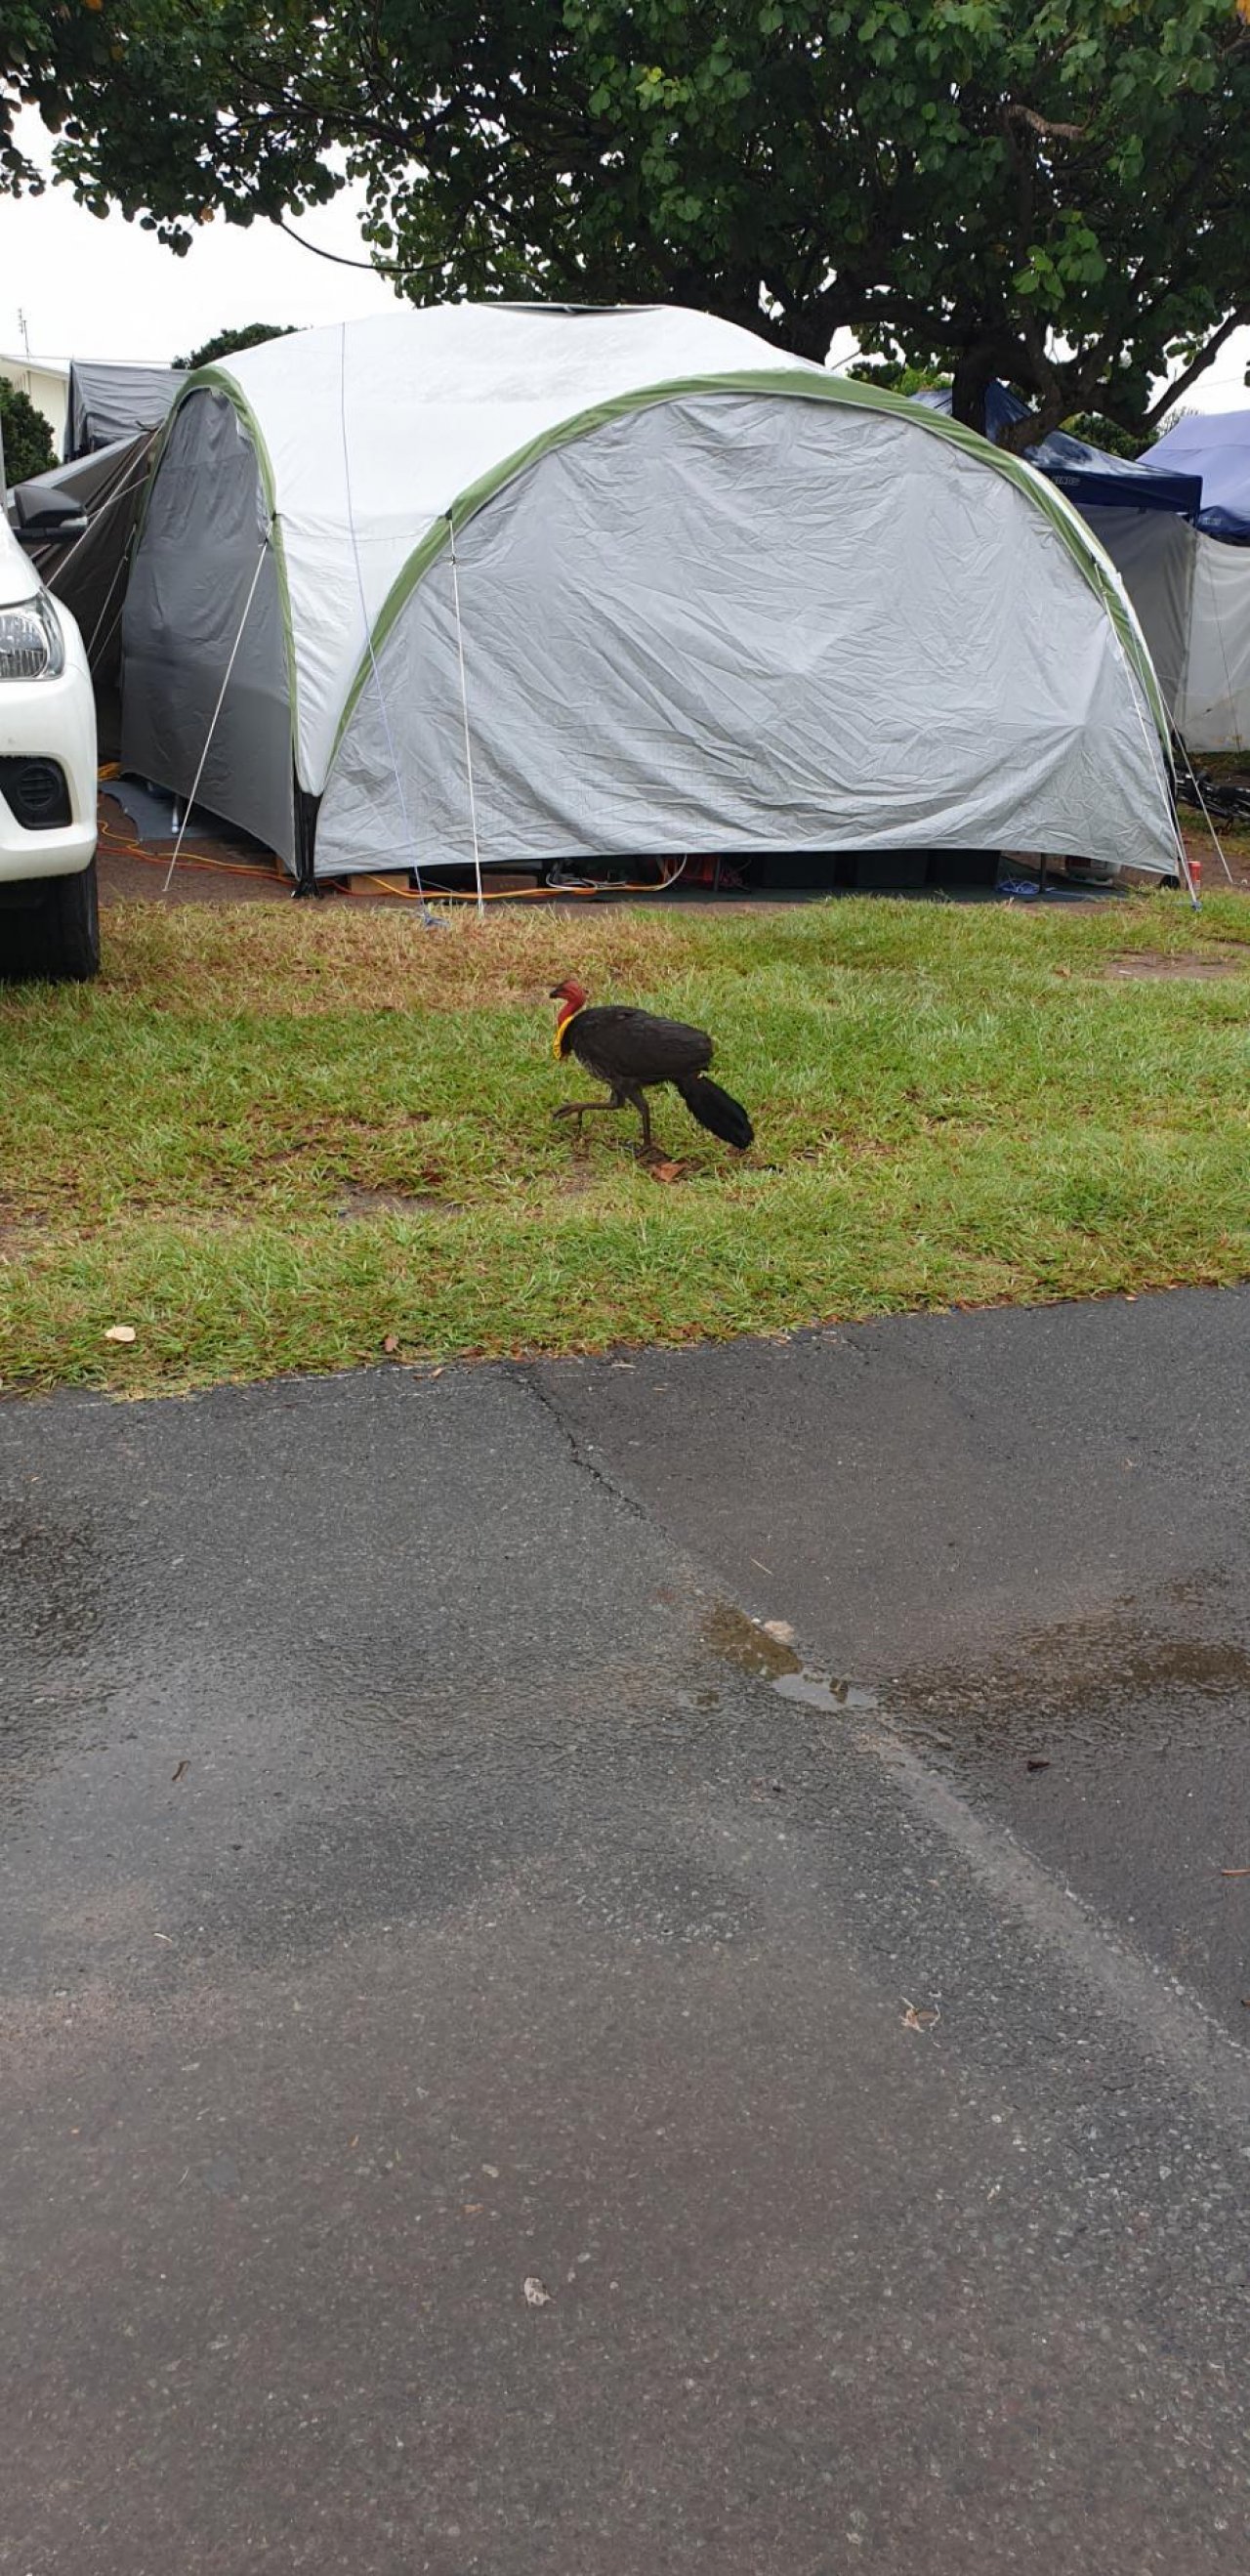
x=558 y=993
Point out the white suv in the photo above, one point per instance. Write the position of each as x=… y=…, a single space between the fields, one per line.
x=49 y=916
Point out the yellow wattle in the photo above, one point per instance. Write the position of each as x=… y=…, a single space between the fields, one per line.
x=561 y=1025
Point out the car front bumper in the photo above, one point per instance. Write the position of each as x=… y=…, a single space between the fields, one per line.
x=51 y=720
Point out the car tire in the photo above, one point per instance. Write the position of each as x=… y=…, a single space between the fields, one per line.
x=57 y=941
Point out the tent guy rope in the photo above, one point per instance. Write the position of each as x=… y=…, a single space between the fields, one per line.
x=464 y=711
x=426 y=915
x=212 y=727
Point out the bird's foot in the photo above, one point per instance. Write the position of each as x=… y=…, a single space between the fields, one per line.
x=569 y=1110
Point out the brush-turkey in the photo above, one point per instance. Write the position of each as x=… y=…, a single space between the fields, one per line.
x=633 y=1052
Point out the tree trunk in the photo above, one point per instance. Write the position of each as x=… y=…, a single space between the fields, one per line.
x=975 y=370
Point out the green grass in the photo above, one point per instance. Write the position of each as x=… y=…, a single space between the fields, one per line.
x=954 y=1104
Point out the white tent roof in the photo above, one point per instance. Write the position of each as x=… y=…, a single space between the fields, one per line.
x=372 y=429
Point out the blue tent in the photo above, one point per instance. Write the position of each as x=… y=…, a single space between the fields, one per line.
x=1215 y=445
x=1091 y=478
x=1095 y=480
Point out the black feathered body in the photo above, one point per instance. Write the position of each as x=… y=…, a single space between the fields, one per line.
x=611 y=1041
x=633 y=1051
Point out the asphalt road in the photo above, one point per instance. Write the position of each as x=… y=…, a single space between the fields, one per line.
x=421 y=1878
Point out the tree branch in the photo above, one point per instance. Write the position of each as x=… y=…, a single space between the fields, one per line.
x=1234 y=322
x=1015 y=113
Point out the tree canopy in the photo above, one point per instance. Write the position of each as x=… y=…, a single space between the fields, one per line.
x=224 y=343
x=1051 y=190
x=25 y=435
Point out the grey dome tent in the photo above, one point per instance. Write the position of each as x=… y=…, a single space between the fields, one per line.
x=490 y=585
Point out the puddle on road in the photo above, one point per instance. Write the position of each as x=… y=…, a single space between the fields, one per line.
x=753 y=1649
x=746 y=1645
x=836 y=1698
x=1121 y=1678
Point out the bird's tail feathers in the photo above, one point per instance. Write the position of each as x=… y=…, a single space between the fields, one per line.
x=715 y=1110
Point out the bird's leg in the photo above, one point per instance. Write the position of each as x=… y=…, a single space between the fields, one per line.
x=578 y=1108
x=648 y=1152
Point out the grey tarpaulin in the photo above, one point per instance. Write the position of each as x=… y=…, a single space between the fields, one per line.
x=1214 y=713
x=89 y=572
x=183 y=612
x=107 y=403
x=1154 y=556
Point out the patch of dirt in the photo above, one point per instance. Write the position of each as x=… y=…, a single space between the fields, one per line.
x=1147 y=965
x=357 y=1203
x=17 y=1224
x=1235 y=844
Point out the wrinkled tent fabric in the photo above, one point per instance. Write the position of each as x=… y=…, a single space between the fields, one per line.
x=109 y=403
x=708 y=601
x=184 y=610
x=1190 y=590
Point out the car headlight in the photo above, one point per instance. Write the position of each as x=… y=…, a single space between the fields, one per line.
x=32 y=646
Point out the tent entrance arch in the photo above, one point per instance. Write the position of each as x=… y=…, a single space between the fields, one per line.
x=714 y=624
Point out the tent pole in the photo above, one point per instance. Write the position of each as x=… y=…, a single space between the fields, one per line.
x=464 y=711
x=1203 y=806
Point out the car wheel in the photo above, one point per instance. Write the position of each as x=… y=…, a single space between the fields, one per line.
x=58 y=939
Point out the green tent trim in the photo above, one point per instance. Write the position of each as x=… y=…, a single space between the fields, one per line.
x=792 y=384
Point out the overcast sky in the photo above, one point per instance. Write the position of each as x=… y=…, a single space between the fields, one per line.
x=92 y=289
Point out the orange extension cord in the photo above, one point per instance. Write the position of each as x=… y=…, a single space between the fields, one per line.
x=112 y=841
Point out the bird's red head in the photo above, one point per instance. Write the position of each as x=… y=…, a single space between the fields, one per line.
x=571 y=993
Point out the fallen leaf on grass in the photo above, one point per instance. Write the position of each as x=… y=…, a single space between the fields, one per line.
x=666 y=1171
x=121 y=1333
x=535 y=2295
x=913 y=2020
x=391 y=1343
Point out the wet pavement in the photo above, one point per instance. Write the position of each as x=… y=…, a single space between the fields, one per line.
x=422 y=1877
x=1027 y=1532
